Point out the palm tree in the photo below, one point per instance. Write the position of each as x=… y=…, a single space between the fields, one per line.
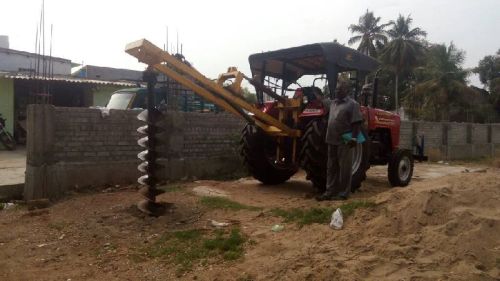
x=405 y=49
x=442 y=92
x=369 y=34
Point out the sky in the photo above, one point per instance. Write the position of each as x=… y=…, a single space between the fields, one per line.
x=217 y=34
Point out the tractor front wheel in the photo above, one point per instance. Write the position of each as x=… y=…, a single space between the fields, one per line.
x=258 y=151
x=400 y=168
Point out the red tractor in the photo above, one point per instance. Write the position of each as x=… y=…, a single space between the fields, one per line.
x=286 y=128
x=283 y=68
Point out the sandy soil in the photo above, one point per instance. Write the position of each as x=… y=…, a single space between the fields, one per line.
x=444 y=226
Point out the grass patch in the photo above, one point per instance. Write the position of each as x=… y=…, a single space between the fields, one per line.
x=349 y=207
x=171 y=188
x=185 y=248
x=226 y=204
x=304 y=216
x=319 y=215
x=230 y=246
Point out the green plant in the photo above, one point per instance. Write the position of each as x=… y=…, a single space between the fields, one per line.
x=231 y=248
x=184 y=248
x=304 y=217
x=349 y=207
x=319 y=215
x=171 y=188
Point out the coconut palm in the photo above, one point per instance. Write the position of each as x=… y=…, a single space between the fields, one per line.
x=441 y=92
x=404 y=50
x=369 y=34
x=442 y=60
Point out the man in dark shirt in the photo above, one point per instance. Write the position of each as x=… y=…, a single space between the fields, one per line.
x=344 y=117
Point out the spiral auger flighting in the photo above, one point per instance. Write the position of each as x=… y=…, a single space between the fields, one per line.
x=149 y=166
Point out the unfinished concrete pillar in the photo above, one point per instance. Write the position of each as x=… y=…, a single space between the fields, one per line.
x=39 y=150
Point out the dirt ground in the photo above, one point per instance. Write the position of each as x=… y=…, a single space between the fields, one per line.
x=444 y=226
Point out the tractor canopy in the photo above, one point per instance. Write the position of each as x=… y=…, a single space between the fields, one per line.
x=319 y=58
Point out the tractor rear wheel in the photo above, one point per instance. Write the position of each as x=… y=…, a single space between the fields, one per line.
x=314 y=156
x=314 y=153
x=258 y=151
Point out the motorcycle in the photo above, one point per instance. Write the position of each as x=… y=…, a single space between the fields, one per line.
x=5 y=137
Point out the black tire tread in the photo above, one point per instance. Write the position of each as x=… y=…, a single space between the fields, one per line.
x=313 y=156
x=393 y=167
x=258 y=165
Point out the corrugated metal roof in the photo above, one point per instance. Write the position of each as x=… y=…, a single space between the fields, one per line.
x=23 y=53
x=67 y=79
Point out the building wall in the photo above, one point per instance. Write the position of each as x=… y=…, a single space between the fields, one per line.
x=17 y=61
x=7 y=102
x=109 y=73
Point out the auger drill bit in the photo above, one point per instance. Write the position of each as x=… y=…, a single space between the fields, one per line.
x=149 y=156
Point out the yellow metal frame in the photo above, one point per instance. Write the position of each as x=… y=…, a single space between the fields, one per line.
x=235 y=87
x=228 y=98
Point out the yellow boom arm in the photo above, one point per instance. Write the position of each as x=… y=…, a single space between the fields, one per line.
x=228 y=98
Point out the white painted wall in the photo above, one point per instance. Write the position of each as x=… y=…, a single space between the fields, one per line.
x=15 y=61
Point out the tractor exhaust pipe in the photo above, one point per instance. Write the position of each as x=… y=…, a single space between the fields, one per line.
x=375 y=90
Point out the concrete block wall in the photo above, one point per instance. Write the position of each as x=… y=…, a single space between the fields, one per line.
x=70 y=147
x=77 y=147
x=433 y=133
x=406 y=134
x=204 y=136
x=83 y=135
x=451 y=141
x=202 y=145
x=495 y=139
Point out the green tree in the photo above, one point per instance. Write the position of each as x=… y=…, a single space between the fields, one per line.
x=248 y=95
x=404 y=51
x=489 y=74
x=489 y=68
x=441 y=92
x=369 y=33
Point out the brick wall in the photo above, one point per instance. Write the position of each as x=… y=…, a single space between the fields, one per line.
x=448 y=141
x=406 y=134
x=209 y=135
x=75 y=147
x=69 y=147
x=83 y=135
